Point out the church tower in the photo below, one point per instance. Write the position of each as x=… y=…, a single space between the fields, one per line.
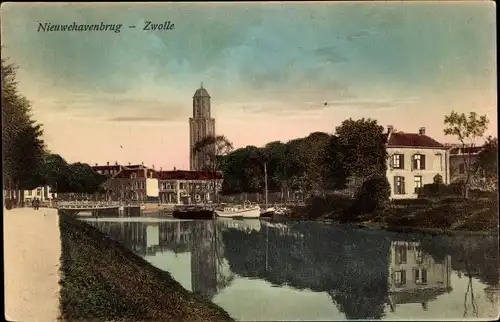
x=201 y=125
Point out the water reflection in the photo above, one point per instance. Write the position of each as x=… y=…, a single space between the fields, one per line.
x=365 y=274
x=416 y=277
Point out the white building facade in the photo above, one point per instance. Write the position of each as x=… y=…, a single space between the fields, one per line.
x=40 y=193
x=415 y=160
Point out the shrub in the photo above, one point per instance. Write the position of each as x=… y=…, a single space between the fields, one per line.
x=409 y=202
x=438 y=179
x=435 y=190
x=373 y=195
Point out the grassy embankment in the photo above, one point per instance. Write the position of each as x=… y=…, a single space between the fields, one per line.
x=438 y=215
x=101 y=280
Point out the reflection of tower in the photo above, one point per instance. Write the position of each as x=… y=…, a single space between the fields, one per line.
x=201 y=125
x=204 y=259
x=416 y=277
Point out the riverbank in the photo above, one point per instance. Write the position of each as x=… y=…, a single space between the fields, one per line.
x=32 y=252
x=102 y=280
x=448 y=215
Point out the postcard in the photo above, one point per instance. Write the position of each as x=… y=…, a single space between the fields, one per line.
x=250 y=161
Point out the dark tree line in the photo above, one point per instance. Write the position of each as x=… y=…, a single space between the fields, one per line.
x=315 y=164
x=74 y=177
x=26 y=162
x=22 y=146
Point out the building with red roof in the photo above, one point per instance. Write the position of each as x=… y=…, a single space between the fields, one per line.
x=141 y=183
x=415 y=159
x=188 y=187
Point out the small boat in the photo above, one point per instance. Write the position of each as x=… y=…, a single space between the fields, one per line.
x=267 y=212
x=245 y=211
x=192 y=212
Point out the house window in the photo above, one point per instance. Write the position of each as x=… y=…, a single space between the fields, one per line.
x=400 y=278
x=418 y=183
x=398 y=161
x=418 y=162
x=401 y=254
x=399 y=185
x=133 y=175
x=29 y=193
x=461 y=168
x=418 y=256
x=39 y=191
x=439 y=157
x=420 y=276
x=182 y=185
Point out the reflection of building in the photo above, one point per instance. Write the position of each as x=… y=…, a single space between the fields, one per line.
x=209 y=269
x=414 y=276
x=204 y=259
x=415 y=159
x=201 y=125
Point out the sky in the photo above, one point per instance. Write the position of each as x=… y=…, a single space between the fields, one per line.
x=269 y=67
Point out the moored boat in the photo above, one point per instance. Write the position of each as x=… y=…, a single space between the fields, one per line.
x=192 y=212
x=282 y=211
x=267 y=212
x=245 y=211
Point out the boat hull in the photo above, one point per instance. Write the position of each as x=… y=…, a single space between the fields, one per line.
x=193 y=214
x=243 y=213
x=268 y=212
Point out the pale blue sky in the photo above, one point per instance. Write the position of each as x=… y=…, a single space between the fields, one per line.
x=265 y=65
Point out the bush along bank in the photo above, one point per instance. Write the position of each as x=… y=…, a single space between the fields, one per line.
x=439 y=214
x=101 y=280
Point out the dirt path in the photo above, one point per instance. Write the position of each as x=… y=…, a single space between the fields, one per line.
x=32 y=249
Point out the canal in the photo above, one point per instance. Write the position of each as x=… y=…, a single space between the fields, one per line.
x=269 y=271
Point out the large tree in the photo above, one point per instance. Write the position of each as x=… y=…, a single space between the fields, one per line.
x=214 y=147
x=363 y=146
x=23 y=148
x=468 y=130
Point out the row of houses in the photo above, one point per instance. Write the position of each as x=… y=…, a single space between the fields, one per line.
x=141 y=183
x=415 y=159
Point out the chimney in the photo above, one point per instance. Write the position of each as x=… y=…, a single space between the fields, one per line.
x=390 y=128
x=421 y=131
x=116 y=162
x=96 y=164
x=153 y=166
x=175 y=169
x=142 y=163
x=107 y=163
x=129 y=163
x=161 y=169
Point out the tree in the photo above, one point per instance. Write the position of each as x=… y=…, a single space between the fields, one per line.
x=363 y=145
x=467 y=129
x=335 y=165
x=373 y=195
x=22 y=146
x=487 y=164
x=214 y=148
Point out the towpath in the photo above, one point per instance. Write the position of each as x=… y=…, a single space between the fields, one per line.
x=32 y=252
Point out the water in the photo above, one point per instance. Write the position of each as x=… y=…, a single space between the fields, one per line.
x=258 y=270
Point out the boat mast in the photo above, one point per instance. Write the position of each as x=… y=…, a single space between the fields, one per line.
x=265 y=179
